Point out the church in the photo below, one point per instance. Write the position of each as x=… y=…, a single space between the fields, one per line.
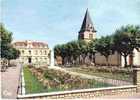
x=88 y=32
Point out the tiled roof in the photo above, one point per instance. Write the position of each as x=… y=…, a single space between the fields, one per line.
x=20 y=44
x=38 y=44
x=87 y=23
x=32 y=43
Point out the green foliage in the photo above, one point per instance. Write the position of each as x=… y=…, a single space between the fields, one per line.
x=104 y=45
x=7 y=51
x=72 y=51
x=133 y=32
x=126 y=39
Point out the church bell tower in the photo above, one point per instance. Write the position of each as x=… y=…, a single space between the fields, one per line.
x=87 y=31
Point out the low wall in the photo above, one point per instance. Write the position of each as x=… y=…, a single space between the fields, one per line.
x=114 y=59
x=83 y=93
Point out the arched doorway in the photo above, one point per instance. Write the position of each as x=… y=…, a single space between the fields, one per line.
x=29 y=60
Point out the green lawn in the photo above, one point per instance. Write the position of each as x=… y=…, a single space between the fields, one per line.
x=32 y=85
x=112 y=75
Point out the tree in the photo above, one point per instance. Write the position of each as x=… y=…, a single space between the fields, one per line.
x=6 y=38
x=82 y=50
x=92 y=50
x=134 y=34
x=71 y=51
x=7 y=51
x=57 y=50
x=104 y=46
x=126 y=39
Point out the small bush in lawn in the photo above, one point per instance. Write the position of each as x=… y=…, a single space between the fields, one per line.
x=30 y=65
x=48 y=74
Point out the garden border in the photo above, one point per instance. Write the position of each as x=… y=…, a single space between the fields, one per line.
x=88 y=93
x=83 y=93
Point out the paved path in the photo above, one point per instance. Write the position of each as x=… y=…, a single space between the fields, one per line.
x=100 y=79
x=125 y=97
x=10 y=81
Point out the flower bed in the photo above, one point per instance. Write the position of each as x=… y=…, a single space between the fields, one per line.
x=117 y=73
x=56 y=80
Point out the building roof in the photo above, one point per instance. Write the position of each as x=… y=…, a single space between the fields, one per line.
x=19 y=43
x=87 y=24
x=34 y=44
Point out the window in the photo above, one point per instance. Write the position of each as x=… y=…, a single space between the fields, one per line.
x=36 y=52
x=22 y=51
x=36 y=59
x=41 y=52
x=90 y=36
x=45 y=52
x=81 y=36
x=29 y=51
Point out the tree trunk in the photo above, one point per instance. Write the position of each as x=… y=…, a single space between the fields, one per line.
x=125 y=61
x=8 y=63
x=107 y=60
x=63 y=60
x=93 y=58
x=90 y=58
x=79 y=60
x=131 y=60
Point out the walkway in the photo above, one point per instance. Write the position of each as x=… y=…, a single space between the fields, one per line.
x=10 y=81
x=100 y=79
x=121 y=97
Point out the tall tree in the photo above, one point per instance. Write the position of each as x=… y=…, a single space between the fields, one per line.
x=92 y=50
x=7 y=51
x=6 y=38
x=104 y=46
x=126 y=39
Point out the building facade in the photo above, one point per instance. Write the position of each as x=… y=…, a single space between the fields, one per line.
x=33 y=52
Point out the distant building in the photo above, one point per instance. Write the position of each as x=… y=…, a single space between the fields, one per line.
x=33 y=52
x=87 y=31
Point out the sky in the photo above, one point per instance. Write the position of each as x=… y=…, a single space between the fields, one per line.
x=59 y=21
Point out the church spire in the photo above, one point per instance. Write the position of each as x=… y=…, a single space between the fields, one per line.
x=87 y=31
x=87 y=24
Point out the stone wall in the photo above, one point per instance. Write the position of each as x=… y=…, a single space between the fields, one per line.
x=114 y=59
x=136 y=79
x=84 y=93
x=136 y=59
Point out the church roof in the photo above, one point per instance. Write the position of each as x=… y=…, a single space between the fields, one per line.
x=87 y=23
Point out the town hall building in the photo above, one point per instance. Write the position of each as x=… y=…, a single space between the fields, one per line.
x=33 y=52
